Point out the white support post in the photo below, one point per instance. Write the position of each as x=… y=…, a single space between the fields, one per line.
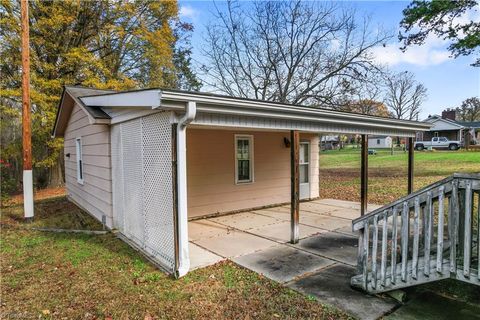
x=183 y=252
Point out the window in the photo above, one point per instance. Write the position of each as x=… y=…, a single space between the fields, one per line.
x=378 y=141
x=304 y=162
x=78 y=145
x=243 y=158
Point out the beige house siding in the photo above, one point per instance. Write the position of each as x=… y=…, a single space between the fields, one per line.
x=95 y=194
x=211 y=171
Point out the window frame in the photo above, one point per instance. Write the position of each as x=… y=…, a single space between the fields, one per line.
x=250 y=139
x=79 y=160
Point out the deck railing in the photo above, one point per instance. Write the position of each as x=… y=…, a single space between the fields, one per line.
x=429 y=235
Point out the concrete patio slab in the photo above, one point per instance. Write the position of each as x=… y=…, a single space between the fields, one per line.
x=343 y=213
x=245 y=220
x=332 y=286
x=318 y=208
x=235 y=244
x=281 y=231
x=346 y=204
x=282 y=263
x=200 y=257
x=201 y=229
x=322 y=221
x=333 y=245
x=430 y=306
x=347 y=230
x=280 y=214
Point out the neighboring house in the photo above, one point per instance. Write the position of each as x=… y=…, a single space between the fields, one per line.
x=379 y=142
x=473 y=128
x=330 y=142
x=145 y=162
x=446 y=126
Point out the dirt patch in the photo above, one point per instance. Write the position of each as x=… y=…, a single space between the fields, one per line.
x=39 y=194
x=384 y=185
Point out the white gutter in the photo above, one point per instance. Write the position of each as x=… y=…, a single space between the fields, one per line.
x=182 y=212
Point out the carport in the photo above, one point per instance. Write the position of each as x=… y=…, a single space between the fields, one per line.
x=178 y=156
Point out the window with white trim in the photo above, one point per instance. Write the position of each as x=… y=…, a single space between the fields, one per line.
x=243 y=158
x=78 y=145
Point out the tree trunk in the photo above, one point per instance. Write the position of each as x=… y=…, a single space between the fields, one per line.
x=56 y=173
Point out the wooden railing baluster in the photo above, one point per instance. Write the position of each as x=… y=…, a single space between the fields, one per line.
x=394 y=246
x=383 y=267
x=404 y=238
x=478 y=233
x=453 y=220
x=416 y=236
x=441 y=191
x=374 y=251
x=365 y=254
x=467 y=241
x=428 y=234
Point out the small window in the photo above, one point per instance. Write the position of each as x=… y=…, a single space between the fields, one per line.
x=378 y=141
x=243 y=158
x=78 y=144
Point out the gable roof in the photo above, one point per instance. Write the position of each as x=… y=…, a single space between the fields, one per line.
x=217 y=110
x=437 y=118
x=70 y=97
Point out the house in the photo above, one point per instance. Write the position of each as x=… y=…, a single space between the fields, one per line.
x=329 y=142
x=144 y=162
x=447 y=126
x=379 y=142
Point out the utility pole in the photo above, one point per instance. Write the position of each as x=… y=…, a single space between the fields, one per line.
x=26 y=125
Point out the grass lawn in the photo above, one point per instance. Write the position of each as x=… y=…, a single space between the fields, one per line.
x=340 y=172
x=70 y=276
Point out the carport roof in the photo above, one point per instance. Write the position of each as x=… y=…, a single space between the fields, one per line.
x=218 y=110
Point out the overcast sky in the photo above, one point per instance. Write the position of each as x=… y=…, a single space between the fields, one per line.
x=449 y=81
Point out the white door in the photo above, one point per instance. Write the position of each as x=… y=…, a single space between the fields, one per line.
x=304 y=170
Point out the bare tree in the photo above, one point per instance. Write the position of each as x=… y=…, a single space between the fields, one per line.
x=404 y=95
x=292 y=52
x=469 y=110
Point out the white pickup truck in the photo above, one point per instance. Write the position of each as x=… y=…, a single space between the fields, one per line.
x=438 y=143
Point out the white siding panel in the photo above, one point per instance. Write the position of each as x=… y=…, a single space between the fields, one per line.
x=211 y=171
x=95 y=194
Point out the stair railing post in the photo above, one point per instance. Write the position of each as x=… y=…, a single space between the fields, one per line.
x=364 y=176
x=410 y=165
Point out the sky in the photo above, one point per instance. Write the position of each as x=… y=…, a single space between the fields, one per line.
x=448 y=81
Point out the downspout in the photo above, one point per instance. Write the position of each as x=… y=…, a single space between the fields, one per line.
x=182 y=211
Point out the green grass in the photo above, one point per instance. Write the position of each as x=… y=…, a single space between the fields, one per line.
x=65 y=275
x=340 y=172
x=435 y=161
